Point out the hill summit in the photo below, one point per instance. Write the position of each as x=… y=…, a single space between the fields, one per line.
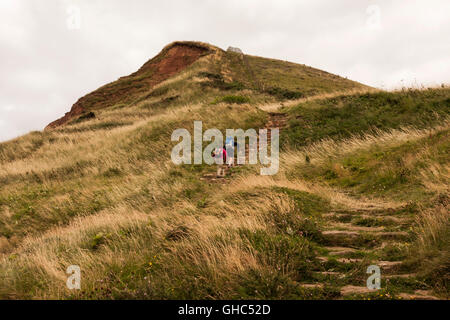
x=228 y=70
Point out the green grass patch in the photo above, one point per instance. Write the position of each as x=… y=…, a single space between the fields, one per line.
x=232 y=99
x=345 y=116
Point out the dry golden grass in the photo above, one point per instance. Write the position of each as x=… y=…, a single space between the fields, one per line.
x=323 y=150
x=48 y=255
x=150 y=201
x=432 y=224
x=431 y=249
x=335 y=196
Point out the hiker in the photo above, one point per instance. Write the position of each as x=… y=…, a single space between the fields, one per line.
x=224 y=154
x=221 y=152
x=230 y=156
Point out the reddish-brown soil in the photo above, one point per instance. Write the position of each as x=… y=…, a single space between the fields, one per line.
x=170 y=61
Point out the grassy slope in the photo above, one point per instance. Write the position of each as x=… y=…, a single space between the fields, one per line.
x=283 y=80
x=377 y=170
x=348 y=115
x=102 y=193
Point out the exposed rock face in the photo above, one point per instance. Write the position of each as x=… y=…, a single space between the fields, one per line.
x=171 y=60
x=235 y=50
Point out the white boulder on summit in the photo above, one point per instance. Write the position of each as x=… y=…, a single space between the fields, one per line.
x=236 y=50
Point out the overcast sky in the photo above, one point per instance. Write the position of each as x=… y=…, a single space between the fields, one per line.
x=52 y=52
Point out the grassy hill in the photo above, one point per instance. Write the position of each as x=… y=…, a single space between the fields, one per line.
x=199 y=72
x=363 y=180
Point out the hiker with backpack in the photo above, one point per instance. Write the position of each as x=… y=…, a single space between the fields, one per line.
x=221 y=152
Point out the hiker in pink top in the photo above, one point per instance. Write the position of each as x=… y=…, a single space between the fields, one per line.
x=222 y=152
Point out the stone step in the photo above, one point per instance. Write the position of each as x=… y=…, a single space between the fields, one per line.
x=339 y=251
x=209 y=175
x=340 y=233
x=331 y=273
x=385 y=266
x=418 y=295
x=388 y=265
x=352 y=227
x=398 y=220
x=382 y=218
x=404 y=276
x=311 y=285
x=213 y=178
x=341 y=260
x=348 y=290
x=351 y=237
x=349 y=260
x=340 y=238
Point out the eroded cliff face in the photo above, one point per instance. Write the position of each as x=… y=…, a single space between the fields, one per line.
x=171 y=60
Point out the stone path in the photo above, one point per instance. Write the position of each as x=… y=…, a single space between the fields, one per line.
x=276 y=120
x=353 y=240
x=348 y=248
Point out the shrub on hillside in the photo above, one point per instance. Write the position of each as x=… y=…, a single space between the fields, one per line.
x=232 y=99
